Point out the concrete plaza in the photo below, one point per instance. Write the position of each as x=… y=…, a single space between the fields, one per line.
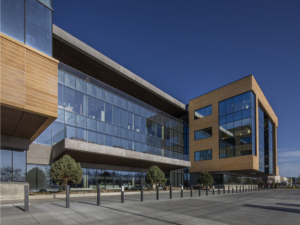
x=261 y=207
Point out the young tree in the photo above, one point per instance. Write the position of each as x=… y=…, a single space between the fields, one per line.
x=205 y=178
x=155 y=176
x=66 y=170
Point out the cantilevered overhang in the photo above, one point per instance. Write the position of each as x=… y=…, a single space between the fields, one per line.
x=100 y=154
x=73 y=52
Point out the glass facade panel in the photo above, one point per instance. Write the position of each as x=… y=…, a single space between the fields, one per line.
x=203 y=155
x=12 y=19
x=237 y=126
x=203 y=112
x=100 y=116
x=38 y=33
x=204 y=133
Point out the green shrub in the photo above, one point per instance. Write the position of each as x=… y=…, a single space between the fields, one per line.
x=60 y=188
x=206 y=179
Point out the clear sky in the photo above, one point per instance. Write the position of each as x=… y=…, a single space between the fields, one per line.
x=188 y=48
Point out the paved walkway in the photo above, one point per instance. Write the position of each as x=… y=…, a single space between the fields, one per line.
x=266 y=207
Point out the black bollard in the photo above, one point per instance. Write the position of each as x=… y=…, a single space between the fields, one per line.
x=170 y=191
x=199 y=190
x=228 y=190
x=191 y=191
x=240 y=188
x=232 y=189
x=122 y=194
x=243 y=188
x=206 y=190
x=181 y=191
x=236 y=190
x=98 y=194
x=157 y=192
x=68 y=196
x=142 y=193
x=223 y=189
x=213 y=190
x=218 y=189
x=26 y=198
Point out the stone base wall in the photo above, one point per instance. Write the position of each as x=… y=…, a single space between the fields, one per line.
x=12 y=191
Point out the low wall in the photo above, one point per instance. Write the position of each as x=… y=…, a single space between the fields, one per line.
x=12 y=191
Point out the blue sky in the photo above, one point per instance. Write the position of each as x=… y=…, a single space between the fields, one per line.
x=188 y=48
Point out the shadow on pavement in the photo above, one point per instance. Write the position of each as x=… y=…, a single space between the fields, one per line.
x=274 y=208
x=147 y=217
x=294 y=205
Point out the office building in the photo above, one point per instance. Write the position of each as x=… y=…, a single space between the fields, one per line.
x=60 y=96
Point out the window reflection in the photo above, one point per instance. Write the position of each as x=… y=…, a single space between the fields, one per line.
x=237 y=126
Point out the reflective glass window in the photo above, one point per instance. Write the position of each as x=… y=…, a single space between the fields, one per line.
x=237 y=101
x=117 y=101
x=61 y=77
x=108 y=113
x=124 y=103
x=69 y=81
x=12 y=19
x=81 y=103
x=143 y=125
x=91 y=124
x=137 y=109
x=100 y=110
x=80 y=85
x=137 y=123
x=118 y=131
x=229 y=118
x=109 y=97
x=81 y=133
x=246 y=100
x=70 y=118
x=91 y=107
x=45 y=136
x=143 y=112
x=101 y=126
x=108 y=140
x=130 y=106
x=222 y=119
x=229 y=105
x=109 y=129
x=203 y=155
x=130 y=121
x=57 y=128
x=117 y=116
x=131 y=134
x=246 y=113
x=80 y=121
x=60 y=96
x=91 y=90
x=100 y=93
x=202 y=134
x=19 y=166
x=69 y=99
x=124 y=118
x=60 y=116
x=100 y=138
x=38 y=33
x=6 y=165
x=124 y=133
x=237 y=116
x=92 y=137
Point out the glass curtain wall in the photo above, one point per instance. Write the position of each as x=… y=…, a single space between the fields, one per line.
x=237 y=126
x=38 y=177
x=261 y=140
x=96 y=115
x=13 y=166
x=268 y=146
x=29 y=22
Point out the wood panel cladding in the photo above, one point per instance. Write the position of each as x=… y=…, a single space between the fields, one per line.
x=28 y=84
x=241 y=163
